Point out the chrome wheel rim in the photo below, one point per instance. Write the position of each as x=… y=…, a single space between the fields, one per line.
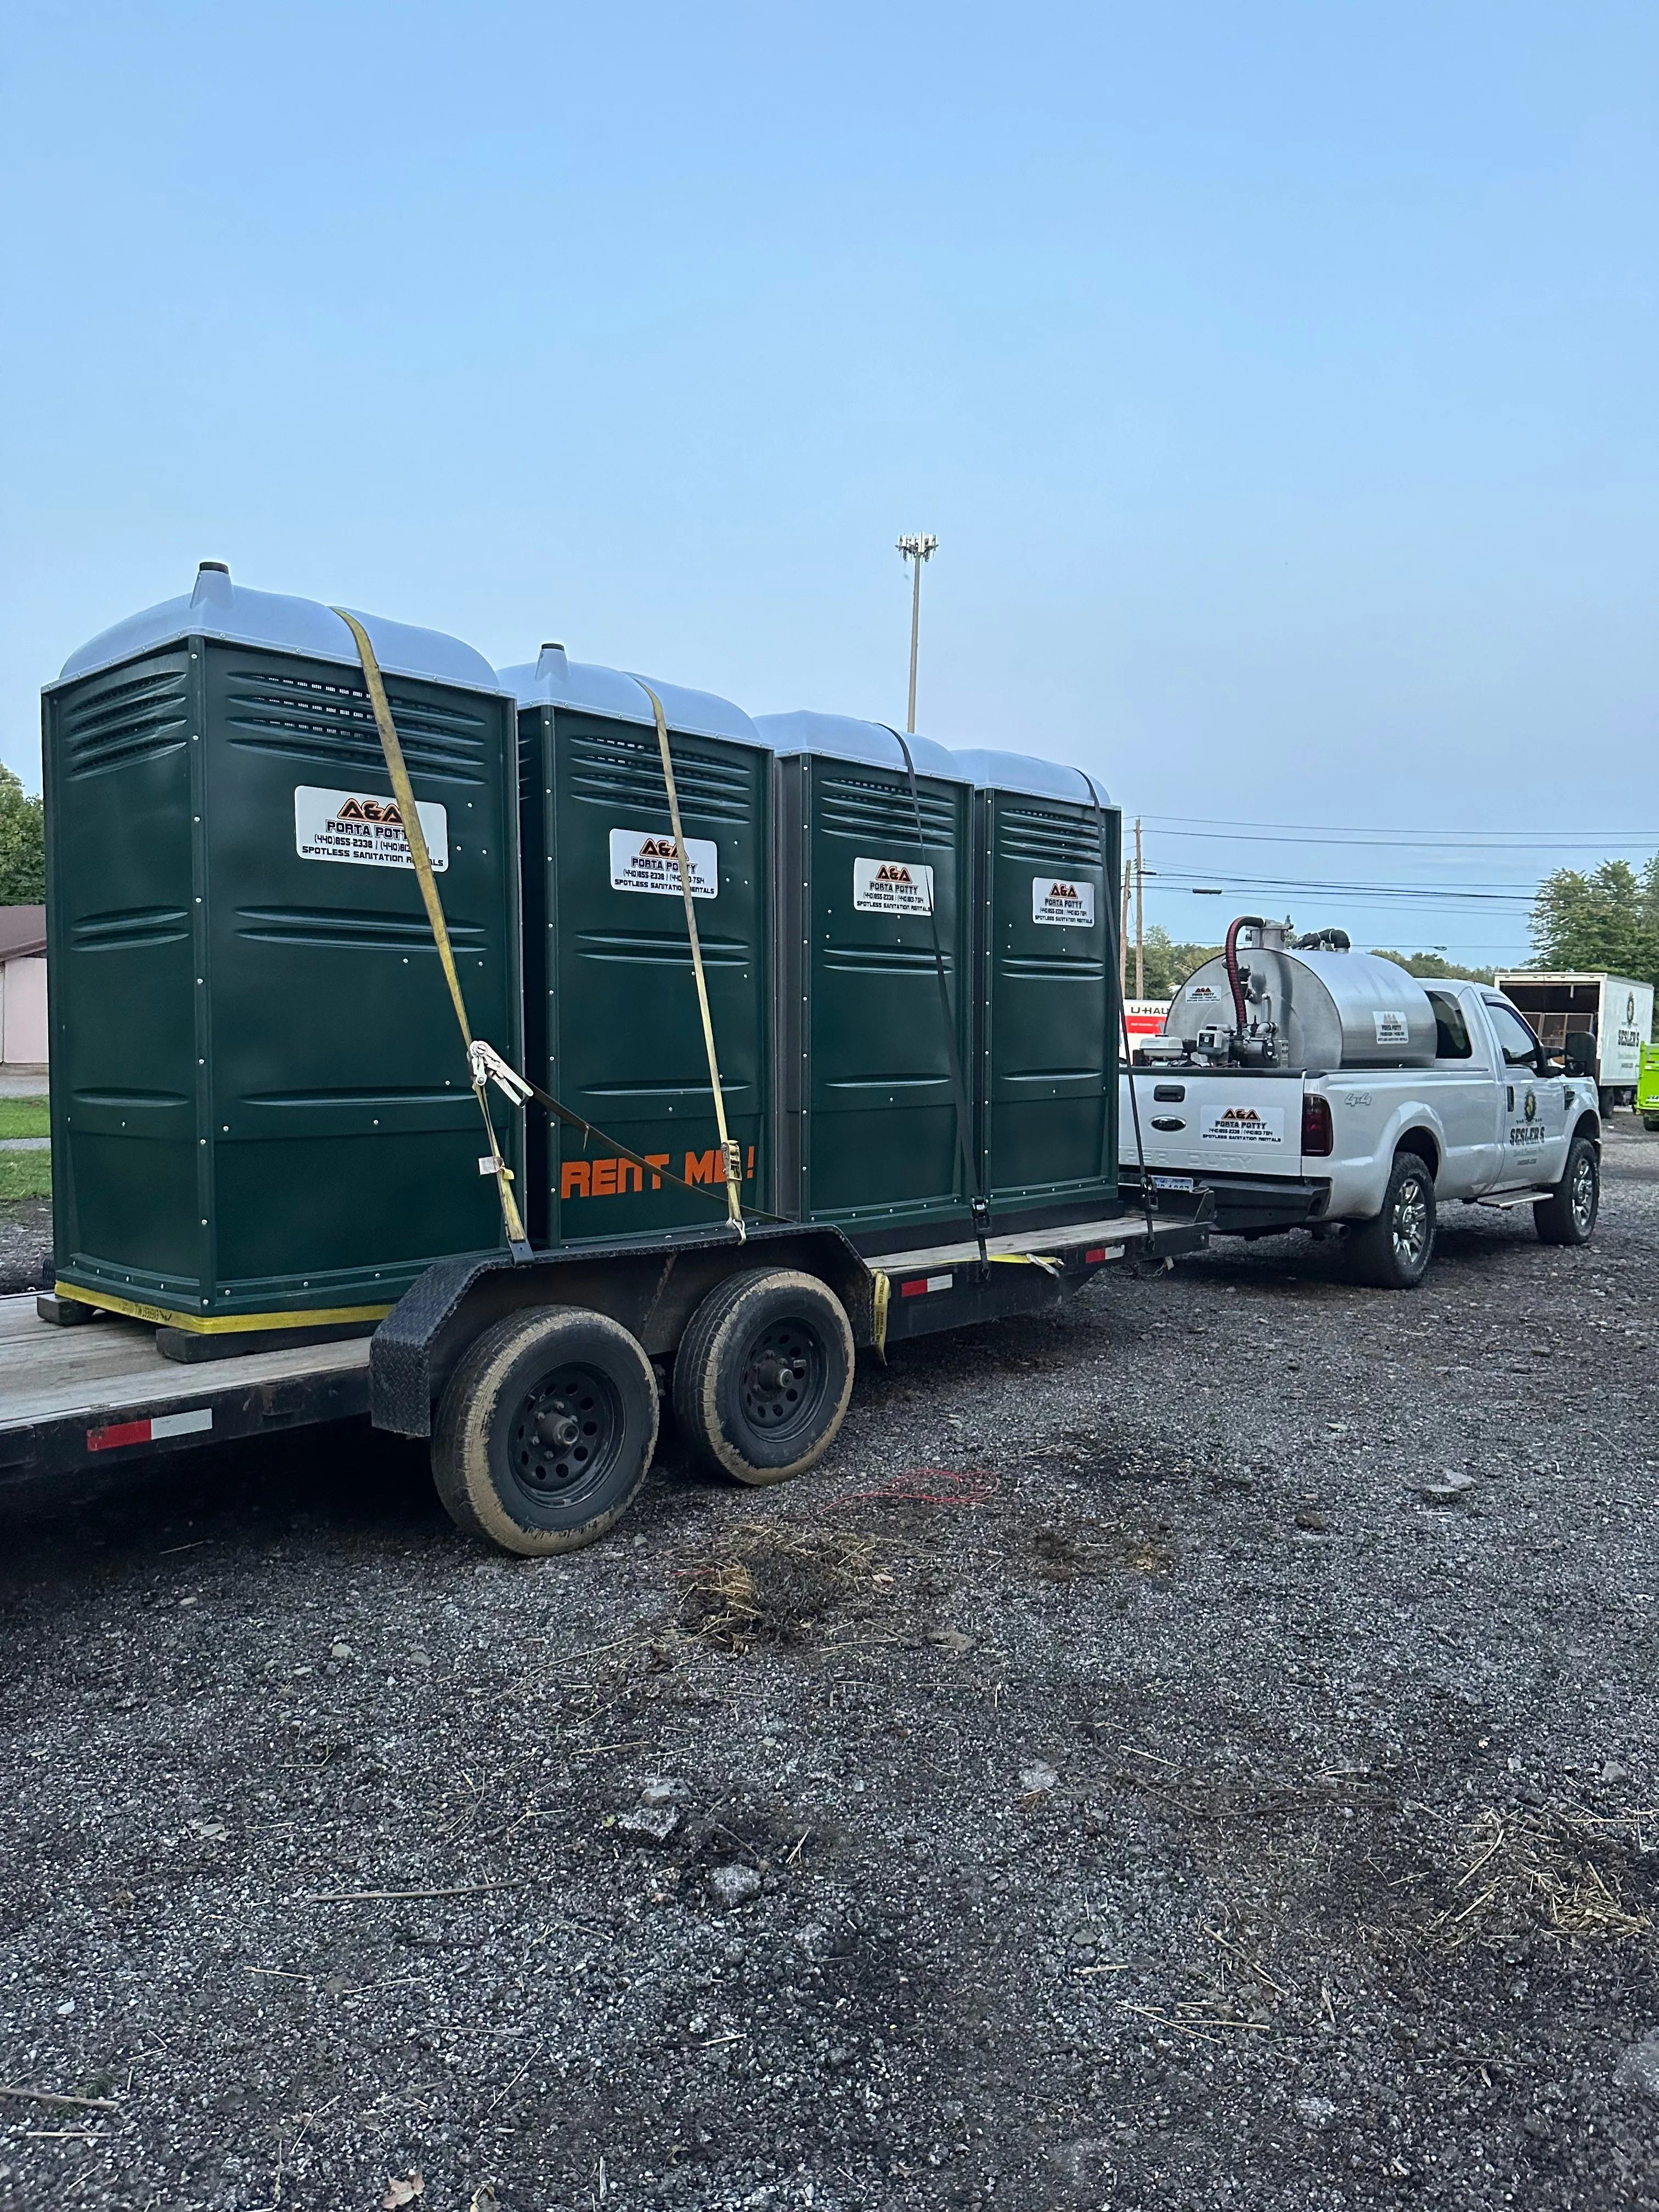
x=1411 y=1223
x=1583 y=1196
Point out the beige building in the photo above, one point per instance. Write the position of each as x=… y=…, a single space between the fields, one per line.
x=22 y=986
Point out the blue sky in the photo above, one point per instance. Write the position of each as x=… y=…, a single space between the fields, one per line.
x=1279 y=379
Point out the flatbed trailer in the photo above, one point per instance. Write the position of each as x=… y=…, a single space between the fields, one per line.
x=538 y=1381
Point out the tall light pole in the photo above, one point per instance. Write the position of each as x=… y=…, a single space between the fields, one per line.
x=917 y=550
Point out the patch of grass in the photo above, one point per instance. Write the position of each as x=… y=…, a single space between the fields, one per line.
x=25 y=1175
x=767 y=1584
x=25 y=1117
x=1531 y=1873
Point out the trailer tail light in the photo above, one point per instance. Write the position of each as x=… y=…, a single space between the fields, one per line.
x=1316 y=1140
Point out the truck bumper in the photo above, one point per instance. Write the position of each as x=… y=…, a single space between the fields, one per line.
x=1245 y=1206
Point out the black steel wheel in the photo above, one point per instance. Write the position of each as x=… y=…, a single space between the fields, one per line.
x=1568 y=1215
x=784 y=1378
x=545 y=1430
x=1393 y=1251
x=564 y=1437
x=764 y=1374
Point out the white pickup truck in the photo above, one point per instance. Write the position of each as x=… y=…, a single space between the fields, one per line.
x=1308 y=1086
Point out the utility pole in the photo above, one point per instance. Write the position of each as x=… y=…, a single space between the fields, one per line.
x=917 y=550
x=1140 y=917
x=1123 y=940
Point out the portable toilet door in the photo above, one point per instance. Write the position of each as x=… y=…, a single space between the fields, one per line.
x=1047 y=1048
x=261 y=1110
x=613 y=1029
x=868 y=1117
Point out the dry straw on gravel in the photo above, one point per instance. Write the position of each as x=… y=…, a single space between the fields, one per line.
x=774 y=1584
x=1528 y=1873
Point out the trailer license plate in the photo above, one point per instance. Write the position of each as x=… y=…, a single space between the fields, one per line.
x=1173 y=1182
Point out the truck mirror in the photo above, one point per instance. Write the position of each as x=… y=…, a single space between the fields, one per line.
x=1578 y=1050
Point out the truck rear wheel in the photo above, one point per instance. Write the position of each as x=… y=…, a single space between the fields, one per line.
x=1393 y=1251
x=545 y=1430
x=1568 y=1215
x=764 y=1374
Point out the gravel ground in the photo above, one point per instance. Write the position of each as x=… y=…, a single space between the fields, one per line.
x=25 y=1244
x=1139 y=1770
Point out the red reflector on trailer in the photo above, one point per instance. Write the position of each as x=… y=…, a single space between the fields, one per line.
x=918 y=1286
x=123 y=1432
x=1090 y=1259
x=192 y=1423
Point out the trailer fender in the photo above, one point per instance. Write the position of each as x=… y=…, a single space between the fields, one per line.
x=651 y=1289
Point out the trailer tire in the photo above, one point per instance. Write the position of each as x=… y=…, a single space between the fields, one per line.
x=1392 y=1252
x=545 y=1430
x=1568 y=1215
x=1651 y=1121
x=763 y=1375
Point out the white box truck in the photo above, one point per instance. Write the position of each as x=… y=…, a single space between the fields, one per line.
x=1614 y=1011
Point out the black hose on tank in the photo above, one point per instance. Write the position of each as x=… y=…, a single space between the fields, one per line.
x=1229 y=954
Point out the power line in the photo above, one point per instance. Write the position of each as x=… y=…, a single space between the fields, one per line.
x=1366 y=842
x=1416 y=894
x=1350 y=833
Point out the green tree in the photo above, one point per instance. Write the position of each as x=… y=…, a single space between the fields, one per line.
x=1167 y=964
x=23 y=844
x=1428 y=965
x=1607 y=920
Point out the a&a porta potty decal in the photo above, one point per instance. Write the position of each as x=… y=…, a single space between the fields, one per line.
x=645 y=860
x=1243 y=1128
x=1062 y=903
x=892 y=886
x=356 y=826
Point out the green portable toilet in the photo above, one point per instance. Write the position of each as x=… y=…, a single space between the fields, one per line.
x=612 y=1026
x=868 y=1119
x=261 y=1114
x=1046 y=985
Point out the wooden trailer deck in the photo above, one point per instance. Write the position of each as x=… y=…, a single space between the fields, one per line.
x=71 y=1396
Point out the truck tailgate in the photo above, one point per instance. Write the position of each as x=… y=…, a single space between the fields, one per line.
x=1228 y=1120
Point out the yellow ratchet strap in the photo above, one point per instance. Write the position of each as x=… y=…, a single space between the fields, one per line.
x=481 y=1061
x=884 y=1291
x=730 y=1151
